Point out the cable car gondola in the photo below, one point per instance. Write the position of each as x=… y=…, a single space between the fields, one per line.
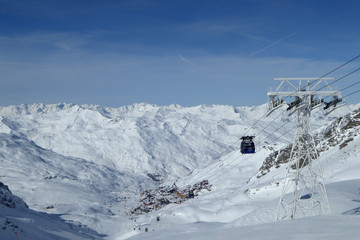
x=247 y=145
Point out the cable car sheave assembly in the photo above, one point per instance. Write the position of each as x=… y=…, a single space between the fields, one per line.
x=304 y=174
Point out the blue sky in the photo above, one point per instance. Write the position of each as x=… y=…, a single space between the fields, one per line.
x=115 y=53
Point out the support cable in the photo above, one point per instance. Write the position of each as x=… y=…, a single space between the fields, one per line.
x=284 y=124
x=224 y=172
x=232 y=145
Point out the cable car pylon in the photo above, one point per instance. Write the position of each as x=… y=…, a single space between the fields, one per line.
x=304 y=192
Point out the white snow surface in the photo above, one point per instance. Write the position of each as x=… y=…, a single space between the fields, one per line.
x=17 y=221
x=89 y=163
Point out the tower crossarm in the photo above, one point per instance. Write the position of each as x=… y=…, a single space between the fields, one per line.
x=300 y=84
x=304 y=93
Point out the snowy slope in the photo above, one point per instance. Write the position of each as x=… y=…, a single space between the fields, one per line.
x=17 y=221
x=333 y=227
x=232 y=215
x=63 y=185
x=241 y=199
x=89 y=163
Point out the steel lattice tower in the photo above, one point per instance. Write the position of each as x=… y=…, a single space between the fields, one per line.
x=304 y=192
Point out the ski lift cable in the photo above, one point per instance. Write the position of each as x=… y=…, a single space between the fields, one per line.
x=224 y=171
x=340 y=66
x=246 y=159
x=344 y=76
x=218 y=158
x=328 y=73
x=315 y=112
x=282 y=134
x=198 y=176
x=337 y=80
x=221 y=162
x=272 y=133
x=320 y=109
x=293 y=93
x=212 y=169
x=350 y=86
x=337 y=68
x=351 y=93
x=232 y=145
x=263 y=141
x=249 y=157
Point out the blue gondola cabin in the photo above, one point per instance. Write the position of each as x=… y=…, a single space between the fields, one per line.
x=247 y=145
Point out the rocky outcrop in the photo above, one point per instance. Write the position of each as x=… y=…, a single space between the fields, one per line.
x=7 y=199
x=339 y=134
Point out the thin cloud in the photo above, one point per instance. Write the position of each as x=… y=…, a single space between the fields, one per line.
x=272 y=44
x=186 y=61
x=61 y=40
x=217 y=27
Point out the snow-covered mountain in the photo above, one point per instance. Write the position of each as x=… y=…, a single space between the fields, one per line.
x=90 y=163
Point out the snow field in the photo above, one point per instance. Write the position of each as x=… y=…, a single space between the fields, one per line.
x=82 y=159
